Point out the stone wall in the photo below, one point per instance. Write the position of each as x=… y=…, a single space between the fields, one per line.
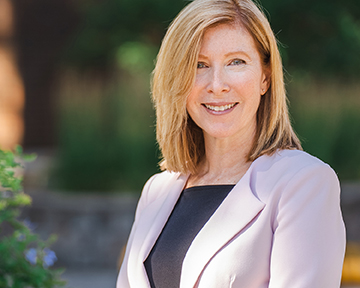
x=93 y=228
x=350 y=204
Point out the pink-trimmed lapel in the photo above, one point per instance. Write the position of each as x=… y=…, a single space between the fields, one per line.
x=232 y=216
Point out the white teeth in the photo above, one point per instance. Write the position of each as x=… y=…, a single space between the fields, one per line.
x=220 y=108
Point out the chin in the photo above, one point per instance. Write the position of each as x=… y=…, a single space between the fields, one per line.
x=219 y=134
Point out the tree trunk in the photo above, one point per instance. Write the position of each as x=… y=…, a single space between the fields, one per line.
x=42 y=30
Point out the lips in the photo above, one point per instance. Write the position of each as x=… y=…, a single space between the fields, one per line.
x=220 y=108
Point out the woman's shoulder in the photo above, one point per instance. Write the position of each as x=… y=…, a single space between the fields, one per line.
x=158 y=184
x=162 y=178
x=289 y=170
x=289 y=162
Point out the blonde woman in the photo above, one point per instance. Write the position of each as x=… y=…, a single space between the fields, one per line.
x=238 y=204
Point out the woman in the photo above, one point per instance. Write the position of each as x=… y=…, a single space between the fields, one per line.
x=239 y=204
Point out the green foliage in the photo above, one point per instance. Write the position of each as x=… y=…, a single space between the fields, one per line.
x=319 y=36
x=346 y=156
x=326 y=117
x=107 y=141
x=107 y=25
x=135 y=57
x=25 y=258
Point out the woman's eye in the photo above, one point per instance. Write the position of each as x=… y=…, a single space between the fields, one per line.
x=201 y=65
x=237 y=62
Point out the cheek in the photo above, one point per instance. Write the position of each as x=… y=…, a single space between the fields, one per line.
x=200 y=85
x=250 y=81
x=193 y=109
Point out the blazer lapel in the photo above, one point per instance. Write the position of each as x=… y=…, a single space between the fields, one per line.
x=163 y=208
x=153 y=219
x=232 y=216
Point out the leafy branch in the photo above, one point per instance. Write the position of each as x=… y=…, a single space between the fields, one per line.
x=25 y=258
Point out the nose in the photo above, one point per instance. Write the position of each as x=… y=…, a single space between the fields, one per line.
x=218 y=81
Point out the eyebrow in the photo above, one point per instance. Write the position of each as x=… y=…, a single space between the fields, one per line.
x=229 y=54
x=237 y=52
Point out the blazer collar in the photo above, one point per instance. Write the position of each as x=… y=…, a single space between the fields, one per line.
x=160 y=210
x=152 y=220
x=237 y=210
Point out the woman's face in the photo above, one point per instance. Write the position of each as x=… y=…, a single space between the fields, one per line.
x=229 y=83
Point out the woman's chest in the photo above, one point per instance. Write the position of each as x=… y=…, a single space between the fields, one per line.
x=243 y=262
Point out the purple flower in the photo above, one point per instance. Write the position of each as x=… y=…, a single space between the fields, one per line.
x=29 y=224
x=31 y=256
x=49 y=258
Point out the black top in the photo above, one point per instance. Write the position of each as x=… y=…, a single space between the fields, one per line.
x=192 y=210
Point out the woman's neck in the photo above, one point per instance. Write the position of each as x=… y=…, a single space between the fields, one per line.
x=225 y=162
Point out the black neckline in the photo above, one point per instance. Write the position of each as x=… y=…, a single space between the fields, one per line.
x=216 y=186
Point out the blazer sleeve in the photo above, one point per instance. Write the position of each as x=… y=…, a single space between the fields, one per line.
x=309 y=233
x=122 y=280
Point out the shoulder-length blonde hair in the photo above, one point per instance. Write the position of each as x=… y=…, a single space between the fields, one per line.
x=180 y=140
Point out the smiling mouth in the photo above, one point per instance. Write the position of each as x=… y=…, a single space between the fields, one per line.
x=220 y=108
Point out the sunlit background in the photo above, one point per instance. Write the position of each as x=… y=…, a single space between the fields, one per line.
x=74 y=88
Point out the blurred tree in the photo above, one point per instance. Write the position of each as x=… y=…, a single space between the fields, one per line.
x=106 y=25
x=42 y=28
x=319 y=36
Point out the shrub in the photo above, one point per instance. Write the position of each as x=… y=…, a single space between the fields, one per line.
x=326 y=117
x=106 y=132
x=25 y=258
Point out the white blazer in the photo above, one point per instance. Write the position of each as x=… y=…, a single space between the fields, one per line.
x=280 y=227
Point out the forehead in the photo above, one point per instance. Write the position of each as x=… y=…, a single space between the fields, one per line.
x=224 y=38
